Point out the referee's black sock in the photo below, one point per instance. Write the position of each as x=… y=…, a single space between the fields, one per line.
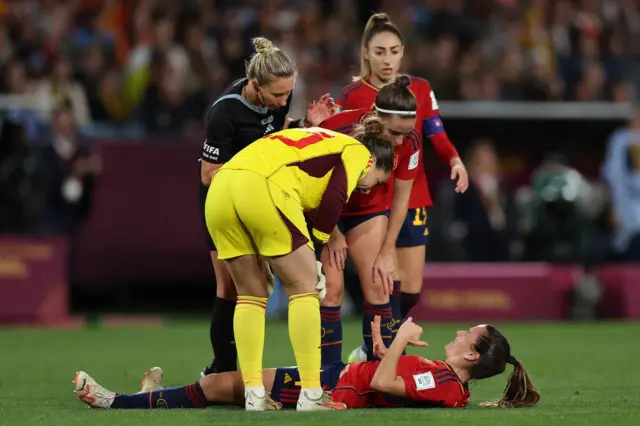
x=221 y=335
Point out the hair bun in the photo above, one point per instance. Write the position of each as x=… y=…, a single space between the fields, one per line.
x=373 y=127
x=403 y=81
x=379 y=19
x=263 y=45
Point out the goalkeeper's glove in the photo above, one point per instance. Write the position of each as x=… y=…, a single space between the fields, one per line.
x=321 y=287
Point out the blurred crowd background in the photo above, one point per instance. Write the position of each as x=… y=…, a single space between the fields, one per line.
x=77 y=71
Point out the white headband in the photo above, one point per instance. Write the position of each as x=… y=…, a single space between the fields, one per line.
x=390 y=111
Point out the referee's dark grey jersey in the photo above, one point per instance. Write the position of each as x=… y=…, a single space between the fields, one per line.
x=233 y=123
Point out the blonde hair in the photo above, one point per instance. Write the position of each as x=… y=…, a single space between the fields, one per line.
x=377 y=23
x=268 y=62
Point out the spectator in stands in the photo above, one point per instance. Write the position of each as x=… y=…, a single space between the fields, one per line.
x=485 y=213
x=18 y=181
x=154 y=31
x=167 y=107
x=621 y=170
x=70 y=170
x=58 y=87
x=17 y=84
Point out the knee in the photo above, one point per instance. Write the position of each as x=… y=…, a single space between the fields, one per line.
x=374 y=293
x=413 y=285
x=335 y=293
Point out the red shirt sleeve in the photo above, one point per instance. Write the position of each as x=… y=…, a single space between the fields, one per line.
x=432 y=126
x=344 y=121
x=408 y=157
x=439 y=387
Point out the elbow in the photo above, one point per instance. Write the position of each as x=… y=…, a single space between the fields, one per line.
x=379 y=385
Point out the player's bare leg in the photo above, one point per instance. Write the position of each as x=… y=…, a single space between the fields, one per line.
x=364 y=242
x=411 y=262
x=221 y=329
x=298 y=273
x=248 y=273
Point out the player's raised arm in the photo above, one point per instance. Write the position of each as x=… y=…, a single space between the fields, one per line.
x=386 y=378
x=433 y=129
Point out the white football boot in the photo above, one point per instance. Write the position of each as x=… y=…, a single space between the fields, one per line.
x=91 y=393
x=323 y=402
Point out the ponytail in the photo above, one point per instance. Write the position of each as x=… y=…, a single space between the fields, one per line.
x=377 y=23
x=519 y=391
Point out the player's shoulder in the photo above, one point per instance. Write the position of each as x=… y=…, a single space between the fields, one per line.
x=359 y=94
x=411 y=142
x=343 y=121
x=438 y=376
x=419 y=83
x=231 y=96
x=354 y=85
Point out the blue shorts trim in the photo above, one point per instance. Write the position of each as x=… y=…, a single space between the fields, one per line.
x=286 y=385
x=347 y=223
x=415 y=230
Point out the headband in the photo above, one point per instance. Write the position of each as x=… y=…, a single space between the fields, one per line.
x=390 y=111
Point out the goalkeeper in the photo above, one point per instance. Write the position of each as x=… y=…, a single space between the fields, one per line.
x=254 y=209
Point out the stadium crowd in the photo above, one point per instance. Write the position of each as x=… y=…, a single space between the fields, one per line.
x=72 y=69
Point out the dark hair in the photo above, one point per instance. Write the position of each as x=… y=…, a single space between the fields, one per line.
x=397 y=97
x=377 y=23
x=370 y=132
x=495 y=354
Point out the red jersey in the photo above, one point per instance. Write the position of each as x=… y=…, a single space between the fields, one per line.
x=427 y=384
x=362 y=94
x=405 y=166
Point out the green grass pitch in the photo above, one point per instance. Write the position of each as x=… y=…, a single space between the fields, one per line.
x=587 y=375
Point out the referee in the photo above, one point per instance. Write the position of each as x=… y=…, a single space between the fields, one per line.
x=251 y=108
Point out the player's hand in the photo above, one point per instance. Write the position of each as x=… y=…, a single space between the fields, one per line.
x=321 y=286
x=383 y=271
x=411 y=332
x=318 y=111
x=459 y=174
x=337 y=247
x=379 y=348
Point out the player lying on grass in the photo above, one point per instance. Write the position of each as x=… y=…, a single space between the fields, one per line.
x=395 y=381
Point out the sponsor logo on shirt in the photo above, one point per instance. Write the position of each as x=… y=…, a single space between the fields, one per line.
x=424 y=381
x=413 y=160
x=434 y=102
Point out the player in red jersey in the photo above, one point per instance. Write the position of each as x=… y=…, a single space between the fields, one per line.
x=382 y=50
x=395 y=381
x=369 y=221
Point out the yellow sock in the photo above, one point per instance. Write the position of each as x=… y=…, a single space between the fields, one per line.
x=248 y=328
x=304 y=332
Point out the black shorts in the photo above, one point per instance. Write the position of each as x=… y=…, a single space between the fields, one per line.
x=203 y=198
x=286 y=385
